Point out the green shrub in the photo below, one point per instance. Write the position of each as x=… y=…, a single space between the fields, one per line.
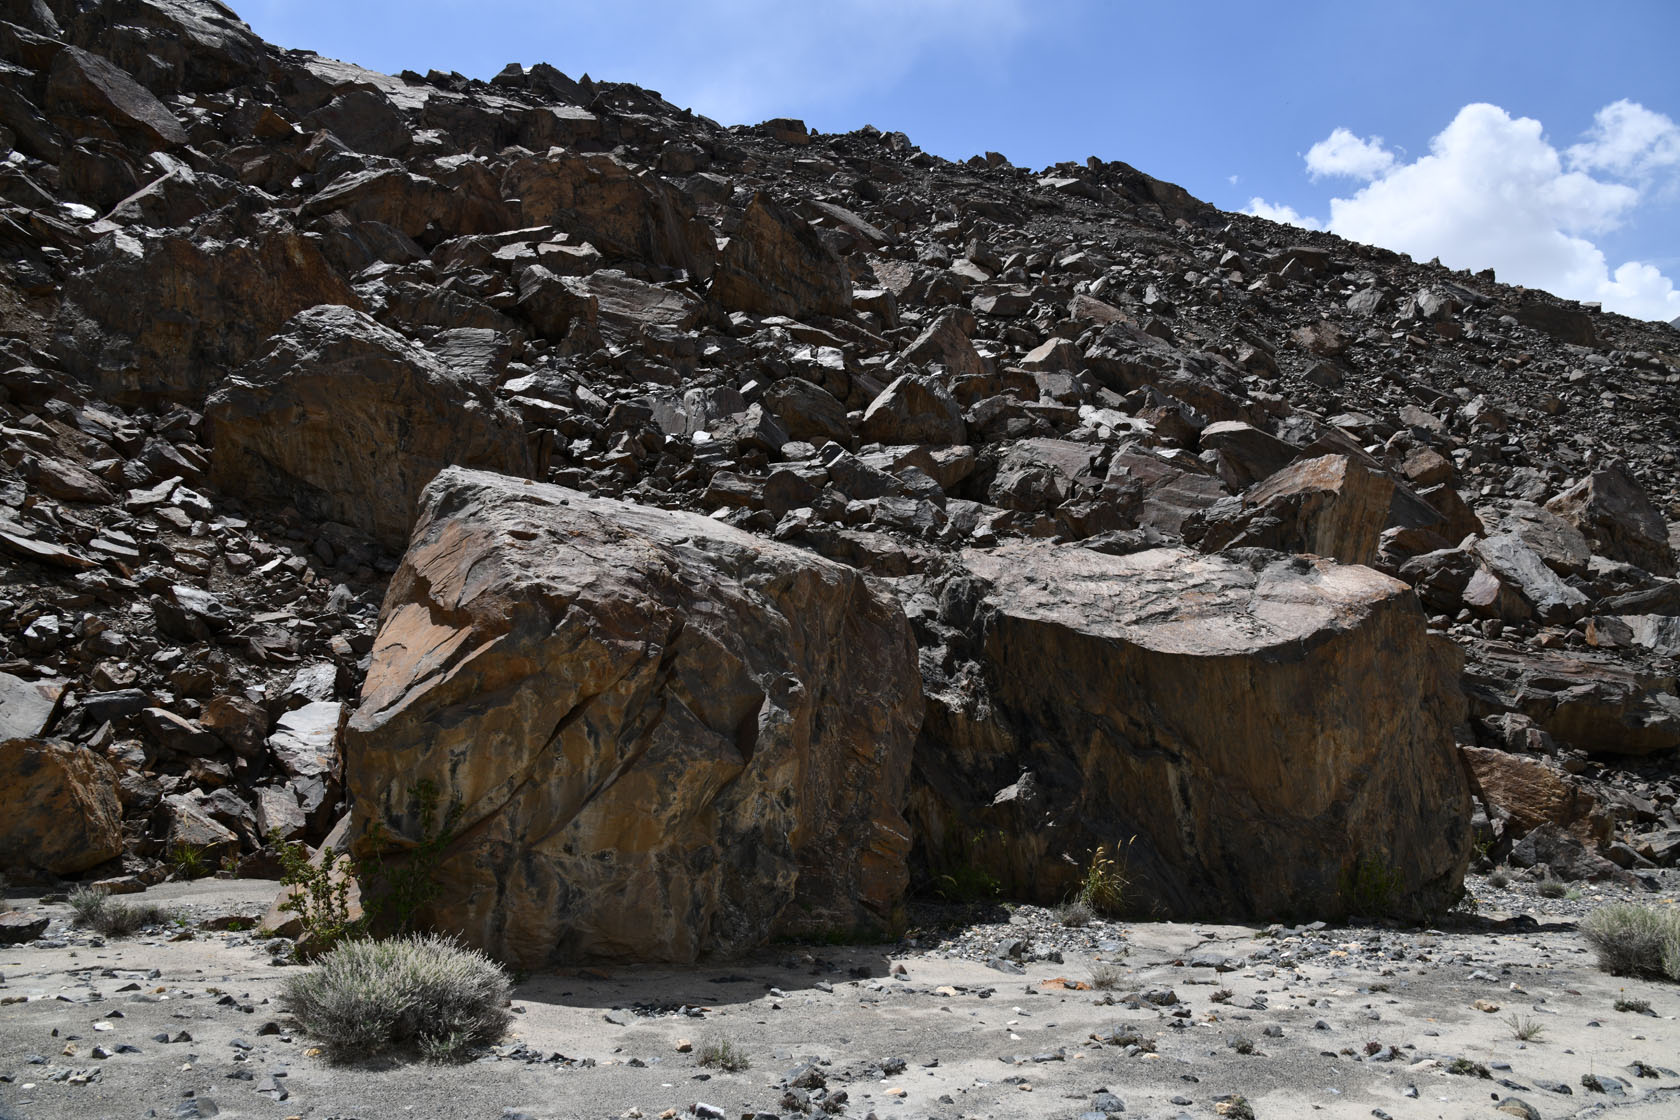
x=1552 y=888
x=724 y=1054
x=188 y=861
x=319 y=895
x=420 y=991
x=968 y=884
x=1634 y=940
x=97 y=910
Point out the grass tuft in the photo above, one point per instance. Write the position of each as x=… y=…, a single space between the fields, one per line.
x=98 y=911
x=1524 y=1028
x=724 y=1054
x=365 y=998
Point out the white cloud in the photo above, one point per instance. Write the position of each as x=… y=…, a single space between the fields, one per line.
x=1343 y=153
x=1288 y=215
x=1628 y=140
x=1494 y=193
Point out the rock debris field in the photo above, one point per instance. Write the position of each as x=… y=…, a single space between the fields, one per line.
x=750 y=578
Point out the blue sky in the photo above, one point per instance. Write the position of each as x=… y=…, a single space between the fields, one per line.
x=1537 y=137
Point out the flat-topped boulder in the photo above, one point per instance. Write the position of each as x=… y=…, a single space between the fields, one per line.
x=660 y=737
x=1262 y=734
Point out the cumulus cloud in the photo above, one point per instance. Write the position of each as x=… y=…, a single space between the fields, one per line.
x=1628 y=140
x=1277 y=212
x=1494 y=192
x=1343 y=153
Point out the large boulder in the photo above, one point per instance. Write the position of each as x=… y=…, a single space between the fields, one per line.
x=156 y=314
x=1332 y=506
x=776 y=264
x=626 y=215
x=89 y=96
x=1618 y=518
x=59 y=811
x=348 y=421
x=656 y=736
x=1263 y=735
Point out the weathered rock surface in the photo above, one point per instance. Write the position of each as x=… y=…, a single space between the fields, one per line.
x=1613 y=511
x=148 y=313
x=663 y=737
x=349 y=421
x=1249 y=728
x=1329 y=506
x=775 y=264
x=59 y=811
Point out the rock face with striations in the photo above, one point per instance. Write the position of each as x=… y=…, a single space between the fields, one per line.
x=1258 y=727
x=664 y=737
x=349 y=420
x=775 y=264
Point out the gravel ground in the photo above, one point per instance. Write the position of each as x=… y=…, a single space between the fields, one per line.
x=969 y=1020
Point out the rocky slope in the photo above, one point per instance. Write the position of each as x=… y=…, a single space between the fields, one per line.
x=1310 y=569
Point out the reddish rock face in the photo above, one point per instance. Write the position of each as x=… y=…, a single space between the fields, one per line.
x=663 y=737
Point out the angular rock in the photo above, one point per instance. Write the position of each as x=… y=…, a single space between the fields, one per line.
x=776 y=264
x=26 y=707
x=596 y=198
x=914 y=409
x=1509 y=558
x=808 y=411
x=663 y=737
x=1588 y=700
x=348 y=421
x=59 y=811
x=154 y=314
x=1262 y=725
x=1618 y=518
x=88 y=95
x=1329 y=506
x=1527 y=793
x=305 y=740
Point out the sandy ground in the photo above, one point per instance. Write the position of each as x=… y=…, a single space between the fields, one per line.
x=1340 y=1022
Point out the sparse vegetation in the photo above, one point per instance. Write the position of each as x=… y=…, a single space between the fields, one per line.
x=1103 y=888
x=188 y=861
x=320 y=895
x=968 y=884
x=725 y=1054
x=1223 y=995
x=110 y=917
x=1075 y=914
x=1633 y=940
x=1105 y=977
x=1499 y=880
x=1636 y=1006
x=394 y=894
x=1464 y=1067
x=1242 y=1045
x=1524 y=1028
x=1552 y=888
x=1371 y=887
x=419 y=991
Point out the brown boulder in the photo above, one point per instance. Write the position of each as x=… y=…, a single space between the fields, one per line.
x=626 y=215
x=914 y=409
x=348 y=421
x=154 y=314
x=1589 y=700
x=1329 y=506
x=662 y=737
x=1265 y=727
x=776 y=264
x=1528 y=793
x=88 y=96
x=59 y=811
x=1618 y=518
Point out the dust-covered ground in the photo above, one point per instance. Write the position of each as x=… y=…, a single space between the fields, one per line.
x=974 y=1018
